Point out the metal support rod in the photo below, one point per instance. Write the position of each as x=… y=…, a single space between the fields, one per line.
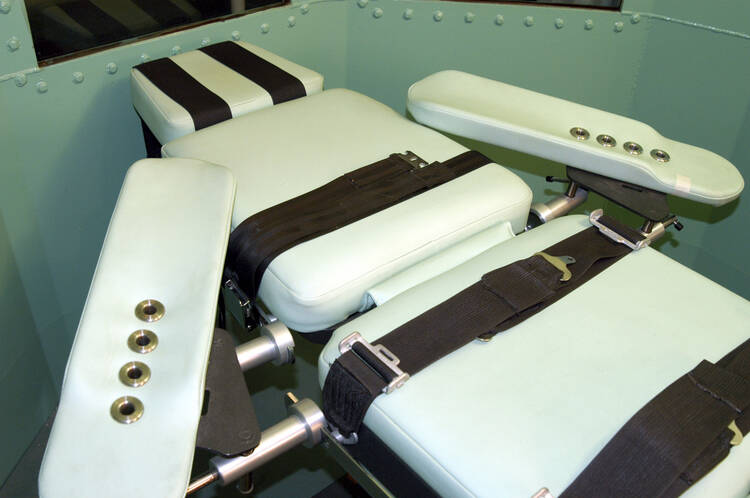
x=275 y=344
x=202 y=482
x=560 y=205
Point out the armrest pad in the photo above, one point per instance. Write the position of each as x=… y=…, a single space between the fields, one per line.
x=519 y=119
x=166 y=241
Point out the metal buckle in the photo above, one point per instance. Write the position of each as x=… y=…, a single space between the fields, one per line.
x=382 y=353
x=738 y=437
x=611 y=234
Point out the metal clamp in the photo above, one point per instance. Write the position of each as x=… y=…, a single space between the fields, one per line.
x=649 y=233
x=382 y=354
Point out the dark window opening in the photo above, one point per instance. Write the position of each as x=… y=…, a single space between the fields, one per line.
x=63 y=27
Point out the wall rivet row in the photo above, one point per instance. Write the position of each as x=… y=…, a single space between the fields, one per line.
x=111 y=68
x=528 y=21
x=235 y=35
x=362 y=3
x=292 y=21
x=635 y=18
x=4 y=6
x=265 y=28
x=176 y=49
x=42 y=87
x=619 y=26
x=205 y=42
x=305 y=8
x=499 y=20
x=78 y=77
x=437 y=15
x=145 y=57
x=408 y=14
x=20 y=80
x=377 y=13
x=559 y=23
x=469 y=17
x=13 y=43
x=588 y=24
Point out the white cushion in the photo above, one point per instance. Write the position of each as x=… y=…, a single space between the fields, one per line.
x=166 y=241
x=292 y=148
x=169 y=120
x=533 y=406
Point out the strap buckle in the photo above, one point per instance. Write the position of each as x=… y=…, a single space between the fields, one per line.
x=388 y=359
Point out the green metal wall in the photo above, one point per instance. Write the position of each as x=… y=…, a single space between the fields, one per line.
x=64 y=152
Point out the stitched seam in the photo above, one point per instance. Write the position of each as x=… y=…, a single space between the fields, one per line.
x=712 y=394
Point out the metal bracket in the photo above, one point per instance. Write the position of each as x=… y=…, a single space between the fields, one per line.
x=228 y=425
x=636 y=239
x=382 y=354
x=413 y=159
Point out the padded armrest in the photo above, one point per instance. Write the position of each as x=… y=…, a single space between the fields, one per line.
x=166 y=241
x=519 y=119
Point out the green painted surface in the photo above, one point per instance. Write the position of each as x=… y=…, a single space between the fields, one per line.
x=64 y=152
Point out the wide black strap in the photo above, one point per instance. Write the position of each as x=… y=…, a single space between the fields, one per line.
x=204 y=106
x=281 y=85
x=501 y=299
x=677 y=437
x=345 y=200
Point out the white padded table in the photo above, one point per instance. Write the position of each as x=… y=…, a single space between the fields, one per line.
x=166 y=241
x=533 y=406
x=289 y=149
x=169 y=120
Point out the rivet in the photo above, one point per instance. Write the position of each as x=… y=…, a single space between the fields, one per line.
x=111 y=68
x=305 y=8
x=149 y=310
x=377 y=13
x=606 y=140
x=265 y=28
x=499 y=20
x=635 y=18
x=588 y=24
x=660 y=155
x=633 y=148
x=469 y=17
x=176 y=49
x=78 y=77
x=126 y=409
x=205 y=42
x=14 y=43
x=437 y=15
x=528 y=21
x=362 y=3
x=235 y=35
x=145 y=57
x=20 y=79
x=619 y=26
x=292 y=21
x=143 y=341
x=559 y=23
x=408 y=14
x=4 y=6
x=135 y=374
x=579 y=133
x=42 y=87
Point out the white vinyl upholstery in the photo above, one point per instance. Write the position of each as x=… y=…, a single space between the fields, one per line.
x=509 y=116
x=166 y=241
x=533 y=406
x=169 y=120
x=292 y=148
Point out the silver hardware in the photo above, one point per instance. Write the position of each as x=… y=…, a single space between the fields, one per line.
x=143 y=341
x=336 y=434
x=265 y=28
x=559 y=23
x=660 y=155
x=579 y=133
x=437 y=15
x=618 y=26
x=382 y=353
x=377 y=13
x=42 y=87
x=135 y=374
x=655 y=230
x=413 y=159
x=559 y=263
x=276 y=345
x=499 y=20
x=738 y=437
x=469 y=17
x=149 y=310
x=632 y=148
x=606 y=140
x=559 y=206
x=126 y=409
x=13 y=43
x=528 y=21
x=111 y=68
x=78 y=77
x=588 y=24
x=408 y=14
